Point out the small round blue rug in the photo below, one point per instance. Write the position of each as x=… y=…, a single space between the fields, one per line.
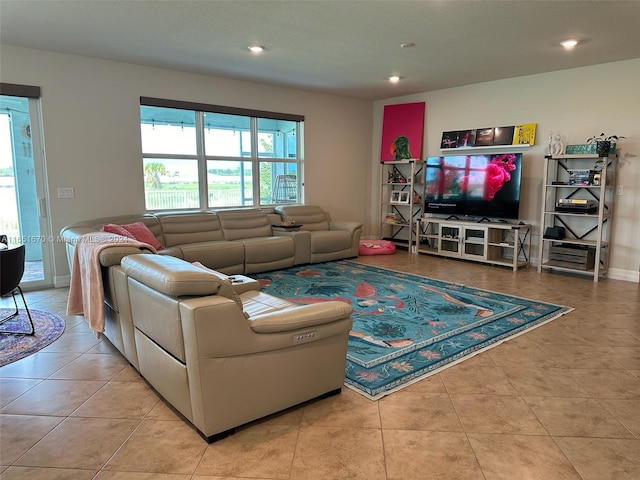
x=48 y=328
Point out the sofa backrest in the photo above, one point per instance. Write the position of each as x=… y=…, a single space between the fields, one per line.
x=239 y=224
x=183 y=228
x=311 y=217
x=71 y=232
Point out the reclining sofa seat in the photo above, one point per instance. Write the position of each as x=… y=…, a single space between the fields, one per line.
x=262 y=249
x=223 y=359
x=198 y=237
x=329 y=240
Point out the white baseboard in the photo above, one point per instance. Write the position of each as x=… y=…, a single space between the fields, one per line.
x=62 y=281
x=626 y=275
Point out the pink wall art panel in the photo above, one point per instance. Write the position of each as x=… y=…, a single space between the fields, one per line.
x=402 y=132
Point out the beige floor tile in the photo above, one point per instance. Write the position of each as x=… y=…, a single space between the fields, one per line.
x=18 y=433
x=159 y=446
x=53 y=397
x=603 y=383
x=75 y=342
x=626 y=412
x=104 y=347
x=627 y=357
x=349 y=409
x=12 y=388
x=419 y=411
x=521 y=351
x=431 y=384
x=128 y=374
x=105 y=475
x=337 y=453
x=39 y=473
x=91 y=367
x=576 y=417
x=85 y=443
x=533 y=380
x=608 y=337
x=496 y=414
x=558 y=336
x=566 y=356
x=260 y=450
x=289 y=416
x=603 y=459
x=163 y=411
x=467 y=378
x=429 y=456
x=521 y=457
x=119 y=400
x=537 y=364
x=38 y=365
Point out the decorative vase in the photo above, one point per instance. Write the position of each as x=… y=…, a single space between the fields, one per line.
x=603 y=147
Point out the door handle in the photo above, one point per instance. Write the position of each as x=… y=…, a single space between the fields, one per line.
x=42 y=207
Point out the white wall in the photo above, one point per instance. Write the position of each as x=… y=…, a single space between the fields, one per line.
x=91 y=127
x=577 y=104
x=90 y=111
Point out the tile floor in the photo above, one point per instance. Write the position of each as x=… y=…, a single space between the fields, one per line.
x=561 y=402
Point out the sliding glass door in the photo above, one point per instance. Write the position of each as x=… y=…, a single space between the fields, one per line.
x=23 y=205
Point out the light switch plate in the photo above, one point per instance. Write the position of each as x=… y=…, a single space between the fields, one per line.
x=66 y=192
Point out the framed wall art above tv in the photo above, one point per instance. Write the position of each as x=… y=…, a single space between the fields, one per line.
x=402 y=132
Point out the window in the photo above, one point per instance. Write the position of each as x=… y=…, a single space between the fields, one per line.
x=203 y=156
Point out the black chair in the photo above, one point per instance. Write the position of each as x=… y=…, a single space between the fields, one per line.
x=11 y=271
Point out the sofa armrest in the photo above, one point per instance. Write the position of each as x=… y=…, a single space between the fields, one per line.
x=348 y=226
x=303 y=316
x=111 y=256
x=301 y=244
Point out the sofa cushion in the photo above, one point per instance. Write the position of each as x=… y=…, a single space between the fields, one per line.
x=142 y=233
x=190 y=227
x=117 y=229
x=311 y=217
x=330 y=241
x=241 y=224
x=267 y=249
x=218 y=255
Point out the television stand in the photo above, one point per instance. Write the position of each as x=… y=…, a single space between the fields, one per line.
x=504 y=244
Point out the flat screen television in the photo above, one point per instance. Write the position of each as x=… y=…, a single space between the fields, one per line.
x=486 y=186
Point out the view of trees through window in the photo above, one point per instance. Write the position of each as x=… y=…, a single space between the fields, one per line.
x=198 y=159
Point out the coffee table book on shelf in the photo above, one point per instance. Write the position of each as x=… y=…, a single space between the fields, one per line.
x=401 y=197
x=586 y=246
x=496 y=243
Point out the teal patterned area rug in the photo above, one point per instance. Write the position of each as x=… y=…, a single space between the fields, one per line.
x=406 y=327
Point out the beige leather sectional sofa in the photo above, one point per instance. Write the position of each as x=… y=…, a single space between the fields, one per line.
x=223 y=353
x=240 y=241
x=219 y=367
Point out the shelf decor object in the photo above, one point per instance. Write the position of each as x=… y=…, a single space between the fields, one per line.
x=523 y=135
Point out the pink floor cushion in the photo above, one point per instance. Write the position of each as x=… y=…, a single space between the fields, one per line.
x=376 y=247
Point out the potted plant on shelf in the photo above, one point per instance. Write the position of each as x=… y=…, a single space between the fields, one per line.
x=603 y=147
x=604 y=143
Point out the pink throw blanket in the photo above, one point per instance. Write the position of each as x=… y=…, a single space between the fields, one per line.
x=86 y=295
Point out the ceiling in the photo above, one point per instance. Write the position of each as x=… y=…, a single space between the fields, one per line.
x=346 y=48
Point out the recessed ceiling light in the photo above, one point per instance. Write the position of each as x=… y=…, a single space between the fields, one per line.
x=569 y=44
x=256 y=48
x=394 y=79
x=407 y=45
